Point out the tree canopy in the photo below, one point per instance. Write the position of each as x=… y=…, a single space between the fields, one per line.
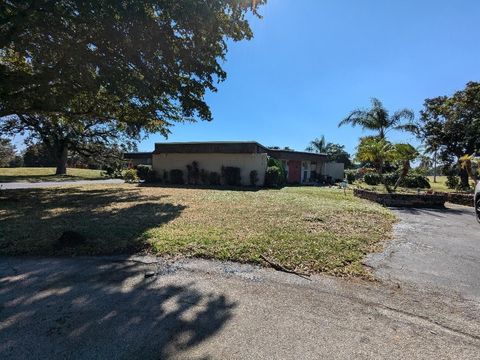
x=105 y=67
x=378 y=119
x=7 y=152
x=451 y=125
x=334 y=152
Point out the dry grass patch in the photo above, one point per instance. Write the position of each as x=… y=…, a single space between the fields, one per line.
x=309 y=229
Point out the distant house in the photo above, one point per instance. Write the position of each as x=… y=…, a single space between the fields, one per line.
x=301 y=167
x=138 y=158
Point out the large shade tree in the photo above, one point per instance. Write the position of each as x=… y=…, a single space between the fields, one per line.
x=7 y=152
x=379 y=120
x=450 y=125
x=76 y=73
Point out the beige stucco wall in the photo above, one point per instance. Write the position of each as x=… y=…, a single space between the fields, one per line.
x=213 y=162
x=335 y=170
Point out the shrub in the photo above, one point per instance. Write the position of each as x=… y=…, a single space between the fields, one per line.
x=415 y=181
x=113 y=170
x=204 y=176
x=146 y=173
x=231 y=175
x=176 y=177
x=165 y=177
x=351 y=176
x=453 y=182
x=253 y=178
x=193 y=173
x=273 y=177
x=277 y=163
x=214 y=178
x=372 y=179
x=130 y=176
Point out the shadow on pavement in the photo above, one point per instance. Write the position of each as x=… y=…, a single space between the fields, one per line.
x=101 y=311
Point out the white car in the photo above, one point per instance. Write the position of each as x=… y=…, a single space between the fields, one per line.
x=477 y=201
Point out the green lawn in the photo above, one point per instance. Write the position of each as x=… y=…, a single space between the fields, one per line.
x=310 y=229
x=32 y=174
x=439 y=186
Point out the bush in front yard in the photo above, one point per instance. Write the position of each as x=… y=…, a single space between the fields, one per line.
x=351 y=176
x=130 y=176
x=452 y=182
x=176 y=177
x=214 y=178
x=231 y=175
x=372 y=179
x=274 y=177
x=416 y=181
x=410 y=181
x=146 y=173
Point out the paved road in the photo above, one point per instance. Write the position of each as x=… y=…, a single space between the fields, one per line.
x=434 y=250
x=43 y=184
x=105 y=308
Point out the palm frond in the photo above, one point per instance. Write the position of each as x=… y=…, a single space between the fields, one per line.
x=406 y=114
x=356 y=117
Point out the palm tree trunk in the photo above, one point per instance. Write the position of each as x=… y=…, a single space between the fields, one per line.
x=382 y=178
x=403 y=175
x=435 y=166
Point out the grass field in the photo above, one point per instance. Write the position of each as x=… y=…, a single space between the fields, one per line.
x=307 y=228
x=439 y=186
x=33 y=174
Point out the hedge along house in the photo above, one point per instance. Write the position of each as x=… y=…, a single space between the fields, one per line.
x=301 y=167
x=212 y=157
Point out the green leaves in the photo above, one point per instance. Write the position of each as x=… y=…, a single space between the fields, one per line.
x=377 y=118
x=143 y=63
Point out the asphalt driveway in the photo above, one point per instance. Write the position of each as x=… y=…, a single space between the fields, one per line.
x=426 y=307
x=437 y=250
x=105 y=308
x=44 y=184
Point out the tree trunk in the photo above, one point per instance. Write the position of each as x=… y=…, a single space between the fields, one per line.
x=382 y=178
x=403 y=175
x=464 y=178
x=62 y=157
x=435 y=166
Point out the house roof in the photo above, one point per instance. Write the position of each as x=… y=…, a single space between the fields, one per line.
x=230 y=147
x=234 y=147
x=295 y=155
x=137 y=155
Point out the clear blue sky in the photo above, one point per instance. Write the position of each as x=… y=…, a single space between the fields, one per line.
x=312 y=61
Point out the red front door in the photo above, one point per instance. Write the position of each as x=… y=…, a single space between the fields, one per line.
x=294 y=171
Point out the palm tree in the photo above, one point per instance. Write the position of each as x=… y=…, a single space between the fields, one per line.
x=377 y=152
x=404 y=153
x=319 y=145
x=432 y=148
x=377 y=118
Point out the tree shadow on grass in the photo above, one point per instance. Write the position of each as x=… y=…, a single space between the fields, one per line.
x=112 y=220
x=87 y=308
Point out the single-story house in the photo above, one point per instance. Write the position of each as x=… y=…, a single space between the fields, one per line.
x=301 y=167
x=138 y=158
